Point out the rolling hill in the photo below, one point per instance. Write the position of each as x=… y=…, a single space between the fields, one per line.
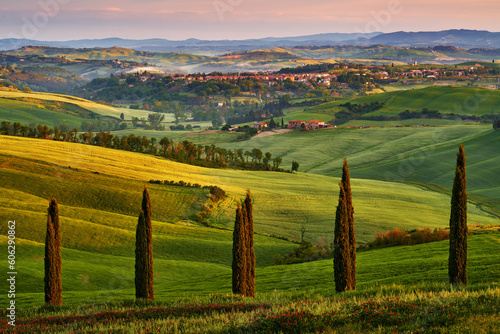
x=99 y=193
x=54 y=109
x=445 y=99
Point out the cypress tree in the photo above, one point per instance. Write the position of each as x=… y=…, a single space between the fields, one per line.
x=141 y=259
x=341 y=252
x=52 y=261
x=457 y=263
x=346 y=183
x=146 y=208
x=239 y=265
x=248 y=210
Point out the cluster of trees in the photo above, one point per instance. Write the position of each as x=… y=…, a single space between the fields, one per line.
x=397 y=237
x=43 y=78
x=39 y=131
x=496 y=125
x=355 y=111
x=164 y=88
x=243 y=266
x=166 y=94
x=354 y=81
x=306 y=252
x=316 y=68
x=216 y=192
x=185 y=151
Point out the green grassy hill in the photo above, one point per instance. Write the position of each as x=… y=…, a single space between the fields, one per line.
x=53 y=109
x=445 y=99
x=99 y=193
x=419 y=156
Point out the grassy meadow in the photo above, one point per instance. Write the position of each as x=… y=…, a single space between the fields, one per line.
x=445 y=99
x=17 y=106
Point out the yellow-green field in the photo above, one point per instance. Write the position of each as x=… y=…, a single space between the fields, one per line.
x=283 y=202
x=101 y=109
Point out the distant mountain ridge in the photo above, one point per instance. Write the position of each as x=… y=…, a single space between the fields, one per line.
x=466 y=39
x=460 y=38
x=158 y=44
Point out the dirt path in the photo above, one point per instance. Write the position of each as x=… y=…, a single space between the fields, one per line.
x=271 y=133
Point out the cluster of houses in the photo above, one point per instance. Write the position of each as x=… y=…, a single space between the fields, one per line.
x=326 y=79
x=312 y=124
x=297 y=124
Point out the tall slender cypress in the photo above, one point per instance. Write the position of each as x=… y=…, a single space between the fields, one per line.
x=248 y=210
x=341 y=252
x=346 y=183
x=52 y=261
x=457 y=263
x=239 y=265
x=146 y=208
x=141 y=259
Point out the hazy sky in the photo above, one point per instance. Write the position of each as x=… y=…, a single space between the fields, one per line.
x=236 y=19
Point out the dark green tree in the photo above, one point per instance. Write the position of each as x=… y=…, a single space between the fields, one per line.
x=247 y=208
x=496 y=125
x=346 y=183
x=155 y=120
x=135 y=120
x=457 y=263
x=141 y=259
x=272 y=124
x=295 y=166
x=5 y=129
x=146 y=208
x=341 y=252
x=52 y=261
x=239 y=265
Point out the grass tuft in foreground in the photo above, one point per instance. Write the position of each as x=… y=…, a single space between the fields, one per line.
x=393 y=309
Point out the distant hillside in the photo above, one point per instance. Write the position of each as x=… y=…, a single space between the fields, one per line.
x=108 y=54
x=461 y=38
x=470 y=101
x=54 y=109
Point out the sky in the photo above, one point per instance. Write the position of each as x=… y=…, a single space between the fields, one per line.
x=59 y=20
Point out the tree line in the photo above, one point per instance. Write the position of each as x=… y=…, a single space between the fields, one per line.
x=185 y=151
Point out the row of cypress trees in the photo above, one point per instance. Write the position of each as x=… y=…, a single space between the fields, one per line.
x=344 y=260
x=243 y=265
